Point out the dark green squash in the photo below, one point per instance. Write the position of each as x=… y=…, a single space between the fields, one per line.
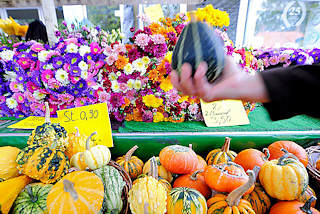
x=198 y=42
x=49 y=134
x=32 y=200
x=113 y=185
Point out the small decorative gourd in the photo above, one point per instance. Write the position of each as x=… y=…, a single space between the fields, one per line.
x=303 y=198
x=285 y=178
x=226 y=177
x=49 y=134
x=77 y=192
x=93 y=158
x=10 y=190
x=154 y=171
x=148 y=190
x=194 y=180
x=222 y=155
x=162 y=172
x=249 y=158
x=198 y=42
x=113 y=185
x=178 y=159
x=294 y=207
x=131 y=164
x=33 y=199
x=186 y=200
x=259 y=199
x=43 y=163
x=276 y=151
x=8 y=165
x=233 y=204
x=77 y=143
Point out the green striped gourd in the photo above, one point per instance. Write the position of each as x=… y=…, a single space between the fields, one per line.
x=49 y=134
x=198 y=42
x=183 y=200
x=33 y=199
x=113 y=186
x=223 y=155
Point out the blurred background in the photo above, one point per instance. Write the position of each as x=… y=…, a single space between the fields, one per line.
x=253 y=23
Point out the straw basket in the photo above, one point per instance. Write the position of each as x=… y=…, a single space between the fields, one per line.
x=126 y=188
x=313 y=155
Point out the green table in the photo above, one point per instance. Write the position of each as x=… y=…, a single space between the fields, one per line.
x=152 y=137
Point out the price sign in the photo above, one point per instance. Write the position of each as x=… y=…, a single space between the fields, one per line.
x=89 y=119
x=31 y=122
x=224 y=113
x=154 y=12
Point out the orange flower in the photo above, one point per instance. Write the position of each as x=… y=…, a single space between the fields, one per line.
x=153 y=75
x=154 y=27
x=128 y=47
x=121 y=62
x=137 y=116
x=129 y=117
x=127 y=103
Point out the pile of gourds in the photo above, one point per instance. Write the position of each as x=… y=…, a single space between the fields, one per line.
x=273 y=181
x=60 y=172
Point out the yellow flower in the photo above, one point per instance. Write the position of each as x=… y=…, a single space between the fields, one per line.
x=151 y=101
x=158 y=117
x=168 y=56
x=145 y=60
x=166 y=85
x=183 y=98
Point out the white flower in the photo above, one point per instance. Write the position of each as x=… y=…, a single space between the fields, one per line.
x=118 y=73
x=237 y=57
x=7 y=55
x=112 y=76
x=139 y=66
x=137 y=84
x=11 y=103
x=84 y=75
x=93 y=32
x=62 y=76
x=72 y=48
x=83 y=66
x=10 y=76
x=128 y=69
x=20 y=87
x=130 y=83
x=84 y=49
x=115 y=86
x=145 y=60
x=43 y=56
x=38 y=95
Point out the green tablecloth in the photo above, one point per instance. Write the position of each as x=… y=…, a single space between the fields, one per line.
x=152 y=137
x=259 y=121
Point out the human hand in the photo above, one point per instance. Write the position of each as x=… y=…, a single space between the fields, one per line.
x=233 y=83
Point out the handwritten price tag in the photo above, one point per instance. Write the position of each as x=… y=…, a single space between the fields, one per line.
x=154 y=12
x=224 y=113
x=31 y=122
x=89 y=119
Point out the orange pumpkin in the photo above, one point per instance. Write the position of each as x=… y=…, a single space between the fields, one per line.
x=232 y=204
x=222 y=155
x=178 y=159
x=77 y=192
x=194 y=180
x=318 y=164
x=303 y=198
x=291 y=147
x=249 y=158
x=294 y=207
x=226 y=177
x=131 y=164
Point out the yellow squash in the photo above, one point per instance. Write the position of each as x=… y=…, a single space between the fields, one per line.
x=8 y=164
x=285 y=178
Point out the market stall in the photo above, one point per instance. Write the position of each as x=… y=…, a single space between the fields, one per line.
x=146 y=148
